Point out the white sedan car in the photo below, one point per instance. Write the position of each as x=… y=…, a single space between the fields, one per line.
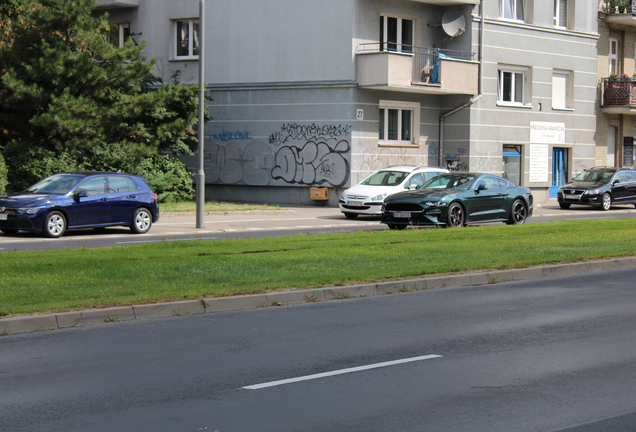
x=366 y=197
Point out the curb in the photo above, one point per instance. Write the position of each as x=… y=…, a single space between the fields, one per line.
x=21 y=324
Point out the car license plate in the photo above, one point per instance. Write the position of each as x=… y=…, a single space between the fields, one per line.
x=3 y=216
x=406 y=215
x=354 y=203
x=572 y=197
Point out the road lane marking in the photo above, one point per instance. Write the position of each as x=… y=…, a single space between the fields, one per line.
x=339 y=372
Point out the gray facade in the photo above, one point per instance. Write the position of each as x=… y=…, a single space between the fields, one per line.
x=307 y=94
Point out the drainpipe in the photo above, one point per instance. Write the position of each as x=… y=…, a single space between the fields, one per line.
x=472 y=100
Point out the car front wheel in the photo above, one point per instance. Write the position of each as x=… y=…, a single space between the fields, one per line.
x=456 y=217
x=141 y=221
x=518 y=213
x=351 y=215
x=564 y=206
x=54 y=225
x=606 y=201
x=396 y=226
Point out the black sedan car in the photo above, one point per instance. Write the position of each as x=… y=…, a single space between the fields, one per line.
x=458 y=199
x=80 y=200
x=599 y=187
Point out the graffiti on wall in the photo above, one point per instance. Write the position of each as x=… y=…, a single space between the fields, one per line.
x=315 y=163
x=295 y=155
x=296 y=132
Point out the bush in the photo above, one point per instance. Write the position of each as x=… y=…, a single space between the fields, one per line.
x=168 y=177
x=4 y=175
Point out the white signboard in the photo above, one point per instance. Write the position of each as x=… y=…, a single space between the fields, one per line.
x=547 y=132
x=539 y=163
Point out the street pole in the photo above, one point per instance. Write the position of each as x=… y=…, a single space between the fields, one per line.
x=200 y=175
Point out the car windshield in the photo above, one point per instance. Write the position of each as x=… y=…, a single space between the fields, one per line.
x=449 y=181
x=594 y=176
x=385 y=178
x=58 y=184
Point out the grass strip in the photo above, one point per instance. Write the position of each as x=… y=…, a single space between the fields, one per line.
x=212 y=206
x=46 y=281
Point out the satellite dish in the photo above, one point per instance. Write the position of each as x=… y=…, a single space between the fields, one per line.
x=453 y=23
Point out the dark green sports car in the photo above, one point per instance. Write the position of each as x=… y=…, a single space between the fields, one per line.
x=458 y=199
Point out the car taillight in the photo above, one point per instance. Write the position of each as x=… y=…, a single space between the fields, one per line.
x=154 y=195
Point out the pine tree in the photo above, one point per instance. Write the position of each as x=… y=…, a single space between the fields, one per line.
x=70 y=100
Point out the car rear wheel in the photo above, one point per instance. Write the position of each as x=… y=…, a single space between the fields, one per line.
x=456 y=217
x=54 y=225
x=518 y=213
x=564 y=206
x=141 y=221
x=351 y=215
x=606 y=201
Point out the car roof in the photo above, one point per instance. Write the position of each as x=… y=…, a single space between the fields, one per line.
x=90 y=173
x=411 y=168
x=608 y=169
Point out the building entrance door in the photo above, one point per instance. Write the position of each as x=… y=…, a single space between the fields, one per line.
x=560 y=171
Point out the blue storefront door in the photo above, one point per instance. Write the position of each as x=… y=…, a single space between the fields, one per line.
x=560 y=170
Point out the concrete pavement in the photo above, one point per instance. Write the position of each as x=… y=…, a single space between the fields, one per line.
x=260 y=220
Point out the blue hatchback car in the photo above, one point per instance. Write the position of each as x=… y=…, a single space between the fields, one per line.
x=72 y=200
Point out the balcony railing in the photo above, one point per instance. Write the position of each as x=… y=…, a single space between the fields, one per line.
x=416 y=69
x=619 y=95
x=620 y=12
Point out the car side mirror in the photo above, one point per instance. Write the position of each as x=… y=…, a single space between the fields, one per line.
x=481 y=187
x=412 y=187
x=81 y=194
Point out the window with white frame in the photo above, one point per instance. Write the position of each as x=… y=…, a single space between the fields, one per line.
x=119 y=34
x=396 y=34
x=186 y=38
x=561 y=89
x=613 y=56
x=398 y=122
x=511 y=86
x=560 y=13
x=512 y=9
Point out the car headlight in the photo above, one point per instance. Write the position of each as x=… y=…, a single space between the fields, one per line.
x=30 y=210
x=378 y=197
x=593 y=191
x=435 y=203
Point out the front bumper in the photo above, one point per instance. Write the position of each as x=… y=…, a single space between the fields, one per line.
x=367 y=208
x=582 y=199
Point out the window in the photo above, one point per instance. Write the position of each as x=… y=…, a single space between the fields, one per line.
x=512 y=9
x=397 y=122
x=560 y=13
x=561 y=92
x=511 y=86
x=121 y=184
x=396 y=34
x=187 y=38
x=512 y=163
x=93 y=186
x=613 y=56
x=119 y=34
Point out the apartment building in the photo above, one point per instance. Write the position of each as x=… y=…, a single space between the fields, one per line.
x=320 y=94
x=616 y=118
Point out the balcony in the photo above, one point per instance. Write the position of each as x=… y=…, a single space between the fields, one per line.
x=619 y=96
x=115 y=4
x=619 y=12
x=416 y=70
x=449 y=2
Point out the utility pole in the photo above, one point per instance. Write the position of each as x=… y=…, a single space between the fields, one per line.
x=200 y=175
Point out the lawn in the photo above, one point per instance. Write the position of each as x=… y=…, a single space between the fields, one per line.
x=212 y=206
x=68 y=279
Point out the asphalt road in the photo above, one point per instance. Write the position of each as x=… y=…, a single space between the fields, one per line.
x=258 y=224
x=543 y=355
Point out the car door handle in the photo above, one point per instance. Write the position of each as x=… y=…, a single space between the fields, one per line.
x=104 y=199
x=132 y=196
